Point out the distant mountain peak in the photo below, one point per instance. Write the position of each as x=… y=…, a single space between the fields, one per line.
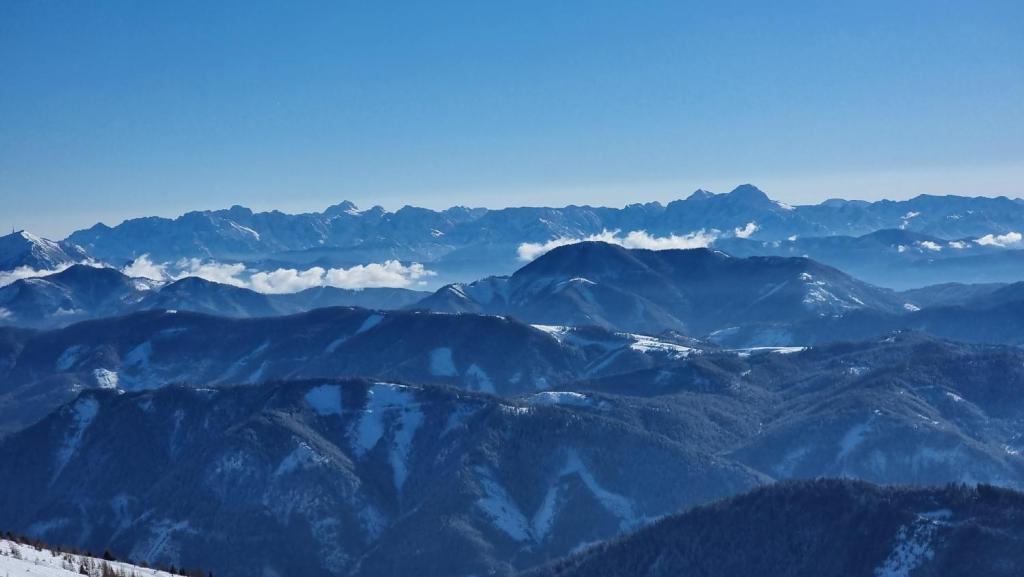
x=343 y=207
x=749 y=192
x=22 y=236
x=22 y=248
x=237 y=211
x=700 y=194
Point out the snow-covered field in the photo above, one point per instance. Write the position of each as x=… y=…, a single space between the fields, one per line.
x=26 y=561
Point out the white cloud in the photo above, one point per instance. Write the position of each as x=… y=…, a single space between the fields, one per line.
x=531 y=250
x=143 y=267
x=746 y=231
x=1002 y=240
x=933 y=246
x=698 y=239
x=387 y=274
x=9 y=276
x=391 y=273
x=212 y=271
x=287 y=280
x=636 y=239
x=906 y=218
x=958 y=244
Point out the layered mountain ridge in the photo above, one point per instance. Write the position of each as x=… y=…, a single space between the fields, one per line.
x=847 y=528
x=610 y=368
x=83 y=292
x=372 y=477
x=696 y=291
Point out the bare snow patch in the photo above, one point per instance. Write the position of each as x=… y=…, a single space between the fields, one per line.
x=853 y=438
x=776 y=350
x=325 y=399
x=441 y=363
x=370 y=322
x=303 y=457
x=913 y=548
x=27 y=561
x=560 y=398
x=84 y=412
x=501 y=508
x=69 y=358
x=614 y=503
x=105 y=378
x=478 y=380
x=139 y=356
x=394 y=406
x=646 y=344
x=557 y=332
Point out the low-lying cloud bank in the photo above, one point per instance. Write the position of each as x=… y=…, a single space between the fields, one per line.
x=392 y=274
x=9 y=276
x=1003 y=240
x=389 y=274
x=635 y=239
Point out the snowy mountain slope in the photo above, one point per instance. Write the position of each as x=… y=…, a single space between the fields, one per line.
x=897 y=258
x=86 y=292
x=24 y=249
x=463 y=244
x=823 y=528
x=371 y=478
x=950 y=294
x=40 y=370
x=76 y=293
x=348 y=477
x=28 y=561
x=903 y=409
x=994 y=317
x=695 y=291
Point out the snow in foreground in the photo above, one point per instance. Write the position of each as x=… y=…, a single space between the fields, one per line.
x=26 y=561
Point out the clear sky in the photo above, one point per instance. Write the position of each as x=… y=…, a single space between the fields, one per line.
x=114 y=109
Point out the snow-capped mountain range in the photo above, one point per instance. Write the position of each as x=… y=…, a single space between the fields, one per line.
x=420 y=234
x=268 y=394
x=702 y=293
x=23 y=249
x=898 y=244
x=81 y=292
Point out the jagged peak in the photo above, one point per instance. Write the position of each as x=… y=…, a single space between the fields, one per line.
x=701 y=194
x=26 y=236
x=343 y=207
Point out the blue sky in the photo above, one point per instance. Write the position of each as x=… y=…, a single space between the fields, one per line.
x=116 y=109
